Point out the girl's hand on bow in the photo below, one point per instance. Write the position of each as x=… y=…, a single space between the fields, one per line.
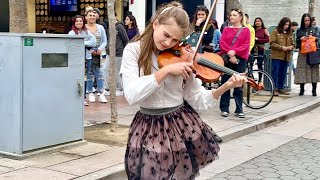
x=236 y=80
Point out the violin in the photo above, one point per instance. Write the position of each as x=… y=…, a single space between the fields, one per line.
x=207 y=66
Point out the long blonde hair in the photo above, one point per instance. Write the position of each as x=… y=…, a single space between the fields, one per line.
x=164 y=14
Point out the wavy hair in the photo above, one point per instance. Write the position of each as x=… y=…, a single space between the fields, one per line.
x=164 y=14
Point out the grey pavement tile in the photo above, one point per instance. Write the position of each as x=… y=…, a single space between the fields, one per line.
x=302 y=166
x=87 y=149
x=15 y=164
x=4 y=169
x=92 y=163
x=50 y=159
x=35 y=174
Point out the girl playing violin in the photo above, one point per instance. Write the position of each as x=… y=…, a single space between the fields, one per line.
x=167 y=138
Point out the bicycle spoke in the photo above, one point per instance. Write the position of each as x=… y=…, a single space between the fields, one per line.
x=255 y=98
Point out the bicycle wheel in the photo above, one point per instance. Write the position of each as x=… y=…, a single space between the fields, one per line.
x=257 y=98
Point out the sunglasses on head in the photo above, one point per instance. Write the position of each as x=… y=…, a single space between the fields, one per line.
x=237 y=10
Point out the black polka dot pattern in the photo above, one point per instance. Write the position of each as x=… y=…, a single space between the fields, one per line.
x=171 y=146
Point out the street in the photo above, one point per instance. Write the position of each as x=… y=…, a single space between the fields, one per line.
x=290 y=150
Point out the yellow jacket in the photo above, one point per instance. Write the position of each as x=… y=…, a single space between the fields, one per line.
x=252 y=36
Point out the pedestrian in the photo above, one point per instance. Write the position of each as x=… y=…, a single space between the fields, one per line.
x=306 y=73
x=131 y=26
x=262 y=37
x=121 y=41
x=97 y=68
x=78 y=28
x=294 y=27
x=198 y=22
x=225 y=24
x=235 y=44
x=216 y=36
x=167 y=138
x=281 y=43
x=252 y=31
x=313 y=21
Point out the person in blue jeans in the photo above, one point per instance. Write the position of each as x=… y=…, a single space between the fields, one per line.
x=98 y=52
x=78 y=28
x=281 y=43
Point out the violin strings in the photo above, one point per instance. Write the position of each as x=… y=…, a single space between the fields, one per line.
x=216 y=66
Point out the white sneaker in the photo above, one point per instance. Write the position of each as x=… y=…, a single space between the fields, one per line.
x=102 y=99
x=92 y=98
x=85 y=103
x=94 y=90
x=119 y=93
x=107 y=93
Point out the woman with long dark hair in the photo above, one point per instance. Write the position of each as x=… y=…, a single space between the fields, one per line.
x=261 y=37
x=131 y=26
x=306 y=73
x=281 y=42
x=198 y=22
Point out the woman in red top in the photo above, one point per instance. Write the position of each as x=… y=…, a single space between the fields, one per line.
x=262 y=37
x=238 y=53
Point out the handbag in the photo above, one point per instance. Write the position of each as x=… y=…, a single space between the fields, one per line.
x=226 y=57
x=313 y=58
x=308 y=45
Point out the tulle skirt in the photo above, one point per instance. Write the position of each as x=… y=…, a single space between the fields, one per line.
x=169 y=146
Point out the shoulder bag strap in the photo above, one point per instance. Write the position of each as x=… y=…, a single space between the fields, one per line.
x=236 y=36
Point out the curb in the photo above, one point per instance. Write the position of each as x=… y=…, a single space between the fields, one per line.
x=118 y=172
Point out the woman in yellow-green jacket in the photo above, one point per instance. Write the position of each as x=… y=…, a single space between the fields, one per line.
x=281 y=42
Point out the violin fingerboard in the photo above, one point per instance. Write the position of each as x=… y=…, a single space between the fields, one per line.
x=215 y=66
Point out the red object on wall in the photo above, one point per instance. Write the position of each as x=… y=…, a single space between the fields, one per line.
x=132 y=1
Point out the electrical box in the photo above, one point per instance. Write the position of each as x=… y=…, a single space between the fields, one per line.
x=41 y=93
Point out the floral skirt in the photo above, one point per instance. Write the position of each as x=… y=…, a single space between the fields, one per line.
x=170 y=146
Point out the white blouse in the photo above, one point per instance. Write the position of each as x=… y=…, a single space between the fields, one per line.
x=149 y=94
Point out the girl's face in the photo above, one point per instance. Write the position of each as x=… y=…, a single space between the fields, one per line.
x=201 y=15
x=78 y=23
x=286 y=26
x=165 y=36
x=307 y=21
x=127 y=21
x=235 y=17
x=90 y=17
x=258 y=23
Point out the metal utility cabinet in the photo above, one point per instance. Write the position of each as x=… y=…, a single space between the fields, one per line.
x=41 y=96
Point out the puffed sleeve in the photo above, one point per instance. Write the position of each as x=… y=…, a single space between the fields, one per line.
x=197 y=96
x=136 y=88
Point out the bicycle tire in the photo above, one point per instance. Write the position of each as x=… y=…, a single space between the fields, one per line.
x=257 y=99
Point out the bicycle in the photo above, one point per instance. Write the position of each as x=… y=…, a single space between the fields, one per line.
x=257 y=98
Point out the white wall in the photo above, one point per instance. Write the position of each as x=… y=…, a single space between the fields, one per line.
x=138 y=9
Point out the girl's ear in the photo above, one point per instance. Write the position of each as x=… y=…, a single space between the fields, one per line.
x=155 y=24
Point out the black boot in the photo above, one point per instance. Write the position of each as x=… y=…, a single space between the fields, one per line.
x=301 y=89
x=314 y=89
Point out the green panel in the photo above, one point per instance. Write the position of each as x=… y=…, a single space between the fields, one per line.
x=54 y=60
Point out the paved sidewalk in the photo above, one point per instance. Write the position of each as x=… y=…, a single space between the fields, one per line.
x=96 y=161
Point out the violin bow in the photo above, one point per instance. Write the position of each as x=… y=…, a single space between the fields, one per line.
x=204 y=28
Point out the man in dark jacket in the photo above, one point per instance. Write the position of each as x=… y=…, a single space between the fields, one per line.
x=121 y=41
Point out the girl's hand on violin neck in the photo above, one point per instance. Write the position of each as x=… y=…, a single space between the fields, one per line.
x=183 y=68
x=236 y=80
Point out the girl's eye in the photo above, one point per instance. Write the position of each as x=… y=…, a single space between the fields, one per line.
x=167 y=35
